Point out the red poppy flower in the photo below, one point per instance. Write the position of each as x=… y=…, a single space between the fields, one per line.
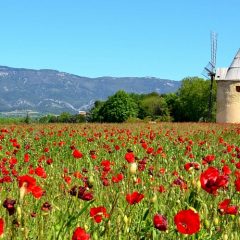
x=187 y=222
x=161 y=189
x=97 y=213
x=134 y=198
x=40 y=172
x=93 y=156
x=77 y=154
x=119 y=177
x=130 y=157
x=5 y=179
x=67 y=179
x=49 y=161
x=26 y=181
x=144 y=145
x=13 y=161
x=208 y=159
x=105 y=182
x=160 y=222
x=188 y=166
x=81 y=193
x=1 y=226
x=237 y=165
x=150 y=150
x=191 y=165
x=181 y=183
x=226 y=170
x=237 y=184
x=224 y=207
x=77 y=174
x=237 y=173
x=28 y=184
x=46 y=150
x=80 y=234
x=26 y=157
x=116 y=147
x=37 y=192
x=31 y=170
x=211 y=180
x=46 y=207
x=106 y=164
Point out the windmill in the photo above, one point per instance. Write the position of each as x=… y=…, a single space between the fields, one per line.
x=210 y=70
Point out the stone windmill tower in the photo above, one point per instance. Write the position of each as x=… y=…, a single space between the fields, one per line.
x=228 y=92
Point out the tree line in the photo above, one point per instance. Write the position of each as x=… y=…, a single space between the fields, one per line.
x=189 y=104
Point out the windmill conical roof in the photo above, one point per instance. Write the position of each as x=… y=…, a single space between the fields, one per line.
x=233 y=72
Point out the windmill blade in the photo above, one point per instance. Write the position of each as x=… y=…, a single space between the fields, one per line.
x=213 y=48
x=210 y=68
x=205 y=73
x=208 y=71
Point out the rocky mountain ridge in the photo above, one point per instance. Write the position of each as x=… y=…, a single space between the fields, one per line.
x=51 y=91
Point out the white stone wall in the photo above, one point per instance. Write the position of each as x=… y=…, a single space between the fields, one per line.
x=228 y=102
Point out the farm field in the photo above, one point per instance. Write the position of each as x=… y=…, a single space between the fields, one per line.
x=120 y=181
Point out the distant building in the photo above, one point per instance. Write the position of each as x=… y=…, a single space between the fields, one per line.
x=83 y=113
x=228 y=92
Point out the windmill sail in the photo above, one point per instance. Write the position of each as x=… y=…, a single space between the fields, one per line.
x=210 y=71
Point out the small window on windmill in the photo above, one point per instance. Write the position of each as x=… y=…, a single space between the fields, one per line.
x=238 y=88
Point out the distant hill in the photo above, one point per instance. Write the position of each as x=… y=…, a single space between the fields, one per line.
x=51 y=91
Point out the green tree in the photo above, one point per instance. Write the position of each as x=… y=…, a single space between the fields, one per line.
x=119 y=107
x=77 y=118
x=154 y=106
x=27 y=118
x=64 y=117
x=48 y=119
x=192 y=99
x=96 y=112
x=171 y=100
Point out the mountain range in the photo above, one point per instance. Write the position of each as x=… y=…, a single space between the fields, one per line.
x=51 y=91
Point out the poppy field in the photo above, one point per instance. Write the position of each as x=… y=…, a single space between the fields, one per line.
x=120 y=181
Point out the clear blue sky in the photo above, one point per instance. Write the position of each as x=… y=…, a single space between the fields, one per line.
x=160 y=38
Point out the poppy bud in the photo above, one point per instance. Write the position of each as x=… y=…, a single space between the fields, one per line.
x=23 y=191
x=207 y=223
x=119 y=220
x=19 y=213
x=192 y=208
x=95 y=236
x=198 y=185
x=216 y=220
x=194 y=182
x=133 y=168
x=91 y=180
x=86 y=227
x=225 y=237
x=205 y=210
x=154 y=198
x=125 y=219
x=135 y=179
